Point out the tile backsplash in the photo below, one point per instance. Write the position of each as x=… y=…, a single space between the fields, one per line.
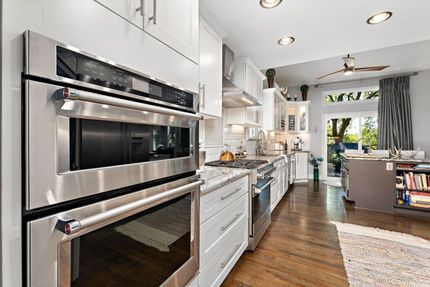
x=214 y=133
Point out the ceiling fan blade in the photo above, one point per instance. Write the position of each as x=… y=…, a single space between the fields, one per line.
x=371 y=69
x=341 y=70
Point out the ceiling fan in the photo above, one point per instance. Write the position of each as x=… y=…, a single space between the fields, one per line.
x=349 y=68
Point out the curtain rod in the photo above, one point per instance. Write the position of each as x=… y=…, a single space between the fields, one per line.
x=366 y=79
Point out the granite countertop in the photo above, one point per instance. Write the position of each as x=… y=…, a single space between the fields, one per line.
x=381 y=158
x=216 y=177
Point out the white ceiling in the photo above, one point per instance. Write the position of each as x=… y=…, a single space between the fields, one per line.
x=322 y=28
x=403 y=58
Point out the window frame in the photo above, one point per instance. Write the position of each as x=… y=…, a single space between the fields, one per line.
x=353 y=90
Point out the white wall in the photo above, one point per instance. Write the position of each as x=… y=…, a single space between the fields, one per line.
x=420 y=105
x=89 y=26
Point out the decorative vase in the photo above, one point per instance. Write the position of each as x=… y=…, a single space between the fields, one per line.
x=316 y=173
x=304 y=90
x=270 y=82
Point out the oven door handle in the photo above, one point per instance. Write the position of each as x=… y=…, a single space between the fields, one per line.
x=73 y=94
x=260 y=188
x=73 y=226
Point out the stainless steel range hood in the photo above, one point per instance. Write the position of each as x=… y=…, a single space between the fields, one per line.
x=233 y=96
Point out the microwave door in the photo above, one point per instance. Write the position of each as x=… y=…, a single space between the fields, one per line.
x=72 y=141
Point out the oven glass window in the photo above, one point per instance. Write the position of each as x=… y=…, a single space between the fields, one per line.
x=142 y=250
x=96 y=144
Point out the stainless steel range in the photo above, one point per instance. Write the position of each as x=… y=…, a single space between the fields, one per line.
x=260 y=181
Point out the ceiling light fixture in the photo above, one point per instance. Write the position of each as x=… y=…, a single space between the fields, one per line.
x=268 y=4
x=379 y=18
x=284 y=41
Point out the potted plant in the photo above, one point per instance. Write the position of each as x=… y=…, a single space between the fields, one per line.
x=315 y=162
x=270 y=74
x=304 y=89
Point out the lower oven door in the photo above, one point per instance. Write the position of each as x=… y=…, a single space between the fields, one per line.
x=148 y=238
x=260 y=203
x=80 y=143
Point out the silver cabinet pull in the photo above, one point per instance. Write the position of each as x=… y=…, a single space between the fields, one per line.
x=204 y=96
x=153 y=18
x=140 y=8
x=202 y=93
x=224 y=264
x=224 y=197
x=72 y=226
x=72 y=94
x=223 y=228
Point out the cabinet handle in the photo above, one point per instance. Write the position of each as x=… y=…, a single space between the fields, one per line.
x=224 y=197
x=153 y=18
x=223 y=228
x=140 y=8
x=224 y=264
x=202 y=92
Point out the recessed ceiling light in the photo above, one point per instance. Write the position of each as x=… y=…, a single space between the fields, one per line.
x=379 y=18
x=286 y=41
x=270 y=3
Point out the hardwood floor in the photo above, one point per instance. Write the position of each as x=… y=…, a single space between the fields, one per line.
x=301 y=247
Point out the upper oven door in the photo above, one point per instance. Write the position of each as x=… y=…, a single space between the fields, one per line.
x=81 y=143
x=147 y=238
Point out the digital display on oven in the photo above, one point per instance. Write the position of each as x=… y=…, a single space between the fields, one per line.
x=76 y=66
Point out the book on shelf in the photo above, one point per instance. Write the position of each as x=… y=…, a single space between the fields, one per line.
x=405 y=165
x=411 y=180
x=423 y=166
x=413 y=198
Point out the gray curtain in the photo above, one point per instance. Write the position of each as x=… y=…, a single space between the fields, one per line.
x=394 y=114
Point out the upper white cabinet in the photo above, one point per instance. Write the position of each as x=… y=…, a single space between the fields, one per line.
x=175 y=23
x=248 y=77
x=210 y=71
x=298 y=116
x=249 y=116
x=128 y=9
x=275 y=110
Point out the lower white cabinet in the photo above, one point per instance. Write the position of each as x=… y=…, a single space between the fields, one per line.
x=223 y=231
x=279 y=187
x=302 y=163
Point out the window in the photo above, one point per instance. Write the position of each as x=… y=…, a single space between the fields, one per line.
x=365 y=94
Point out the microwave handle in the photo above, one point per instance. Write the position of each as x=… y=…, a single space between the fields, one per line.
x=73 y=226
x=73 y=94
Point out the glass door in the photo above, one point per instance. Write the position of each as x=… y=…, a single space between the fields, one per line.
x=351 y=133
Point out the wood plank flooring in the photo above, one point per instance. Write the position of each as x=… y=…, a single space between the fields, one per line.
x=301 y=247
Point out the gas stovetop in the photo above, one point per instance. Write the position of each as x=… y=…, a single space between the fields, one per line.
x=238 y=163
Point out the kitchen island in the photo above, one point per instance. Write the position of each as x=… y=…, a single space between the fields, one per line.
x=370 y=182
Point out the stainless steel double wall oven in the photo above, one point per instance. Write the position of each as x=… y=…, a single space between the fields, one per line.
x=110 y=192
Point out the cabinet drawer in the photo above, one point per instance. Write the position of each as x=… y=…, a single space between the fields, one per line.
x=218 y=267
x=215 y=231
x=216 y=200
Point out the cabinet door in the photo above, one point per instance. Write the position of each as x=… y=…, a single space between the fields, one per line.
x=302 y=117
x=249 y=80
x=291 y=117
x=254 y=116
x=301 y=166
x=175 y=23
x=130 y=10
x=210 y=71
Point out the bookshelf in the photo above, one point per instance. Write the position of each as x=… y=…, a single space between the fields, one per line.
x=412 y=187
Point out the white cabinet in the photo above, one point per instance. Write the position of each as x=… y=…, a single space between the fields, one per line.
x=128 y=9
x=223 y=230
x=298 y=116
x=302 y=164
x=279 y=186
x=175 y=23
x=275 y=110
x=249 y=116
x=210 y=71
x=249 y=78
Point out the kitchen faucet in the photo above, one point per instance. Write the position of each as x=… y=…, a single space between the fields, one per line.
x=261 y=142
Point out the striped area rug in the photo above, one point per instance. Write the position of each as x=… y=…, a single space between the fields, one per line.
x=381 y=258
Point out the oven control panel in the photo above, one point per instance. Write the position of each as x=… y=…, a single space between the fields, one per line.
x=79 y=67
x=266 y=171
